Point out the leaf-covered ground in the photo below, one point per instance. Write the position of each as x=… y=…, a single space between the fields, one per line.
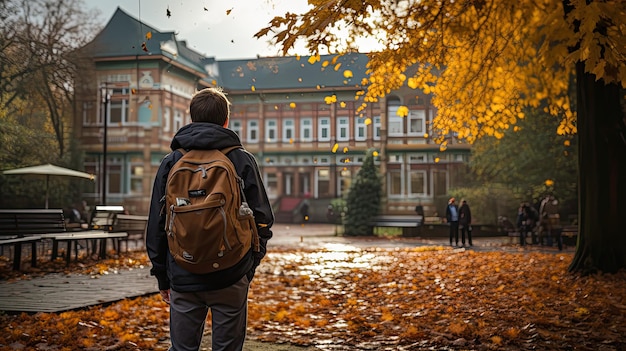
x=344 y=298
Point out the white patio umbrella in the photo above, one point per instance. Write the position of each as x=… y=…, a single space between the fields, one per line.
x=50 y=170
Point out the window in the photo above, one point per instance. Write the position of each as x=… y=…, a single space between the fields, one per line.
x=306 y=129
x=166 y=119
x=118 y=111
x=271 y=184
x=114 y=175
x=178 y=119
x=395 y=182
x=136 y=176
x=416 y=122
x=323 y=182
x=324 y=129
x=395 y=122
x=417 y=182
x=235 y=126
x=417 y=158
x=288 y=130
x=377 y=128
x=252 y=134
x=360 y=129
x=343 y=126
x=271 y=131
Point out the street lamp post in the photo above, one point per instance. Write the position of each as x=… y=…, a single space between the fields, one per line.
x=106 y=100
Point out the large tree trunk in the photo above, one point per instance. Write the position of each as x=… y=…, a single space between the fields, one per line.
x=602 y=176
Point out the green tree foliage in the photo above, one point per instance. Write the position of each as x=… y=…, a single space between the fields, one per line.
x=531 y=160
x=364 y=198
x=485 y=62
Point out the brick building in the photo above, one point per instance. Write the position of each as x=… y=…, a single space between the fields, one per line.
x=288 y=111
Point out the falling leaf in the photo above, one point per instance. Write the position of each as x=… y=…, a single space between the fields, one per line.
x=253 y=88
x=347 y=73
x=168 y=13
x=148 y=35
x=205 y=9
x=403 y=111
x=229 y=11
x=144 y=47
x=292 y=105
x=335 y=148
x=368 y=121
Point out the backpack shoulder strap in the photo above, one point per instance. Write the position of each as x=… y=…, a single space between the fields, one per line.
x=226 y=150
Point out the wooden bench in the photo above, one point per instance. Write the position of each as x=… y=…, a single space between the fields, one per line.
x=134 y=225
x=25 y=226
x=103 y=217
x=97 y=237
x=408 y=224
x=33 y=226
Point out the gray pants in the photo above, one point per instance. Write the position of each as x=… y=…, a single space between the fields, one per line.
x=229 y=312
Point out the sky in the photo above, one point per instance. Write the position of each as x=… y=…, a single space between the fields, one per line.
x=225 y=30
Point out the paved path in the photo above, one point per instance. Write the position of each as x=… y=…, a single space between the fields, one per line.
x=62 y=292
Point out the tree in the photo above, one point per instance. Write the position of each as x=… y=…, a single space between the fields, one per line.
x=364 y=198
x=530 y=159
x=37 y=66
x=484 y=62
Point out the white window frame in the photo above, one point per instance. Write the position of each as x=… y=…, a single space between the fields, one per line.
x=289 y=130
x=324 y=126
x=343 y=128
x=419 y=117
x=236 y=126
x=395 y=123
x=412 y=191
x=252 y=131
x=167 y=119
x=271 y=130
x=360 y=129
x=376 y=124
x=178 y=119
x=306 y=125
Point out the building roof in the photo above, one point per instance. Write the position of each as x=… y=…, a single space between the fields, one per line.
x=124 y=36
x=280 y=73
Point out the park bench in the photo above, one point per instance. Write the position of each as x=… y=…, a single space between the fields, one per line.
x=21 y=226
x=133 y=225
x=408 y=223
x=26 y=226
x=103 y=217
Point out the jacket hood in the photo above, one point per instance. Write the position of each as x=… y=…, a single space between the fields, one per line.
x=204 y=136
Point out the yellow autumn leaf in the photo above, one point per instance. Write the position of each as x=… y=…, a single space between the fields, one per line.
x=368 y=121
x=148 y=35
x=335 y=148
x=292 y=105
x=402 y=111
x=347 y=73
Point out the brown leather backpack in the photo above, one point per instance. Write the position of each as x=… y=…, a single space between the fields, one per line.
x=209 y=225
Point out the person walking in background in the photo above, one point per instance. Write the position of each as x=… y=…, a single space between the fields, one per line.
x=452 y=217
x=465 y=222
x=225 y=292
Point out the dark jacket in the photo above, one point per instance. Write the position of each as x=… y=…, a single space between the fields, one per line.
x=465 y=215
x=169 y=275
x=449 y=212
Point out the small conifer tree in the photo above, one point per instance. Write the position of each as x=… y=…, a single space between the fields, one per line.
x=364 y=196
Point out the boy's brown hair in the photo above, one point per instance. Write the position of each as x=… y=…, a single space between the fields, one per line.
x=210 y=105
